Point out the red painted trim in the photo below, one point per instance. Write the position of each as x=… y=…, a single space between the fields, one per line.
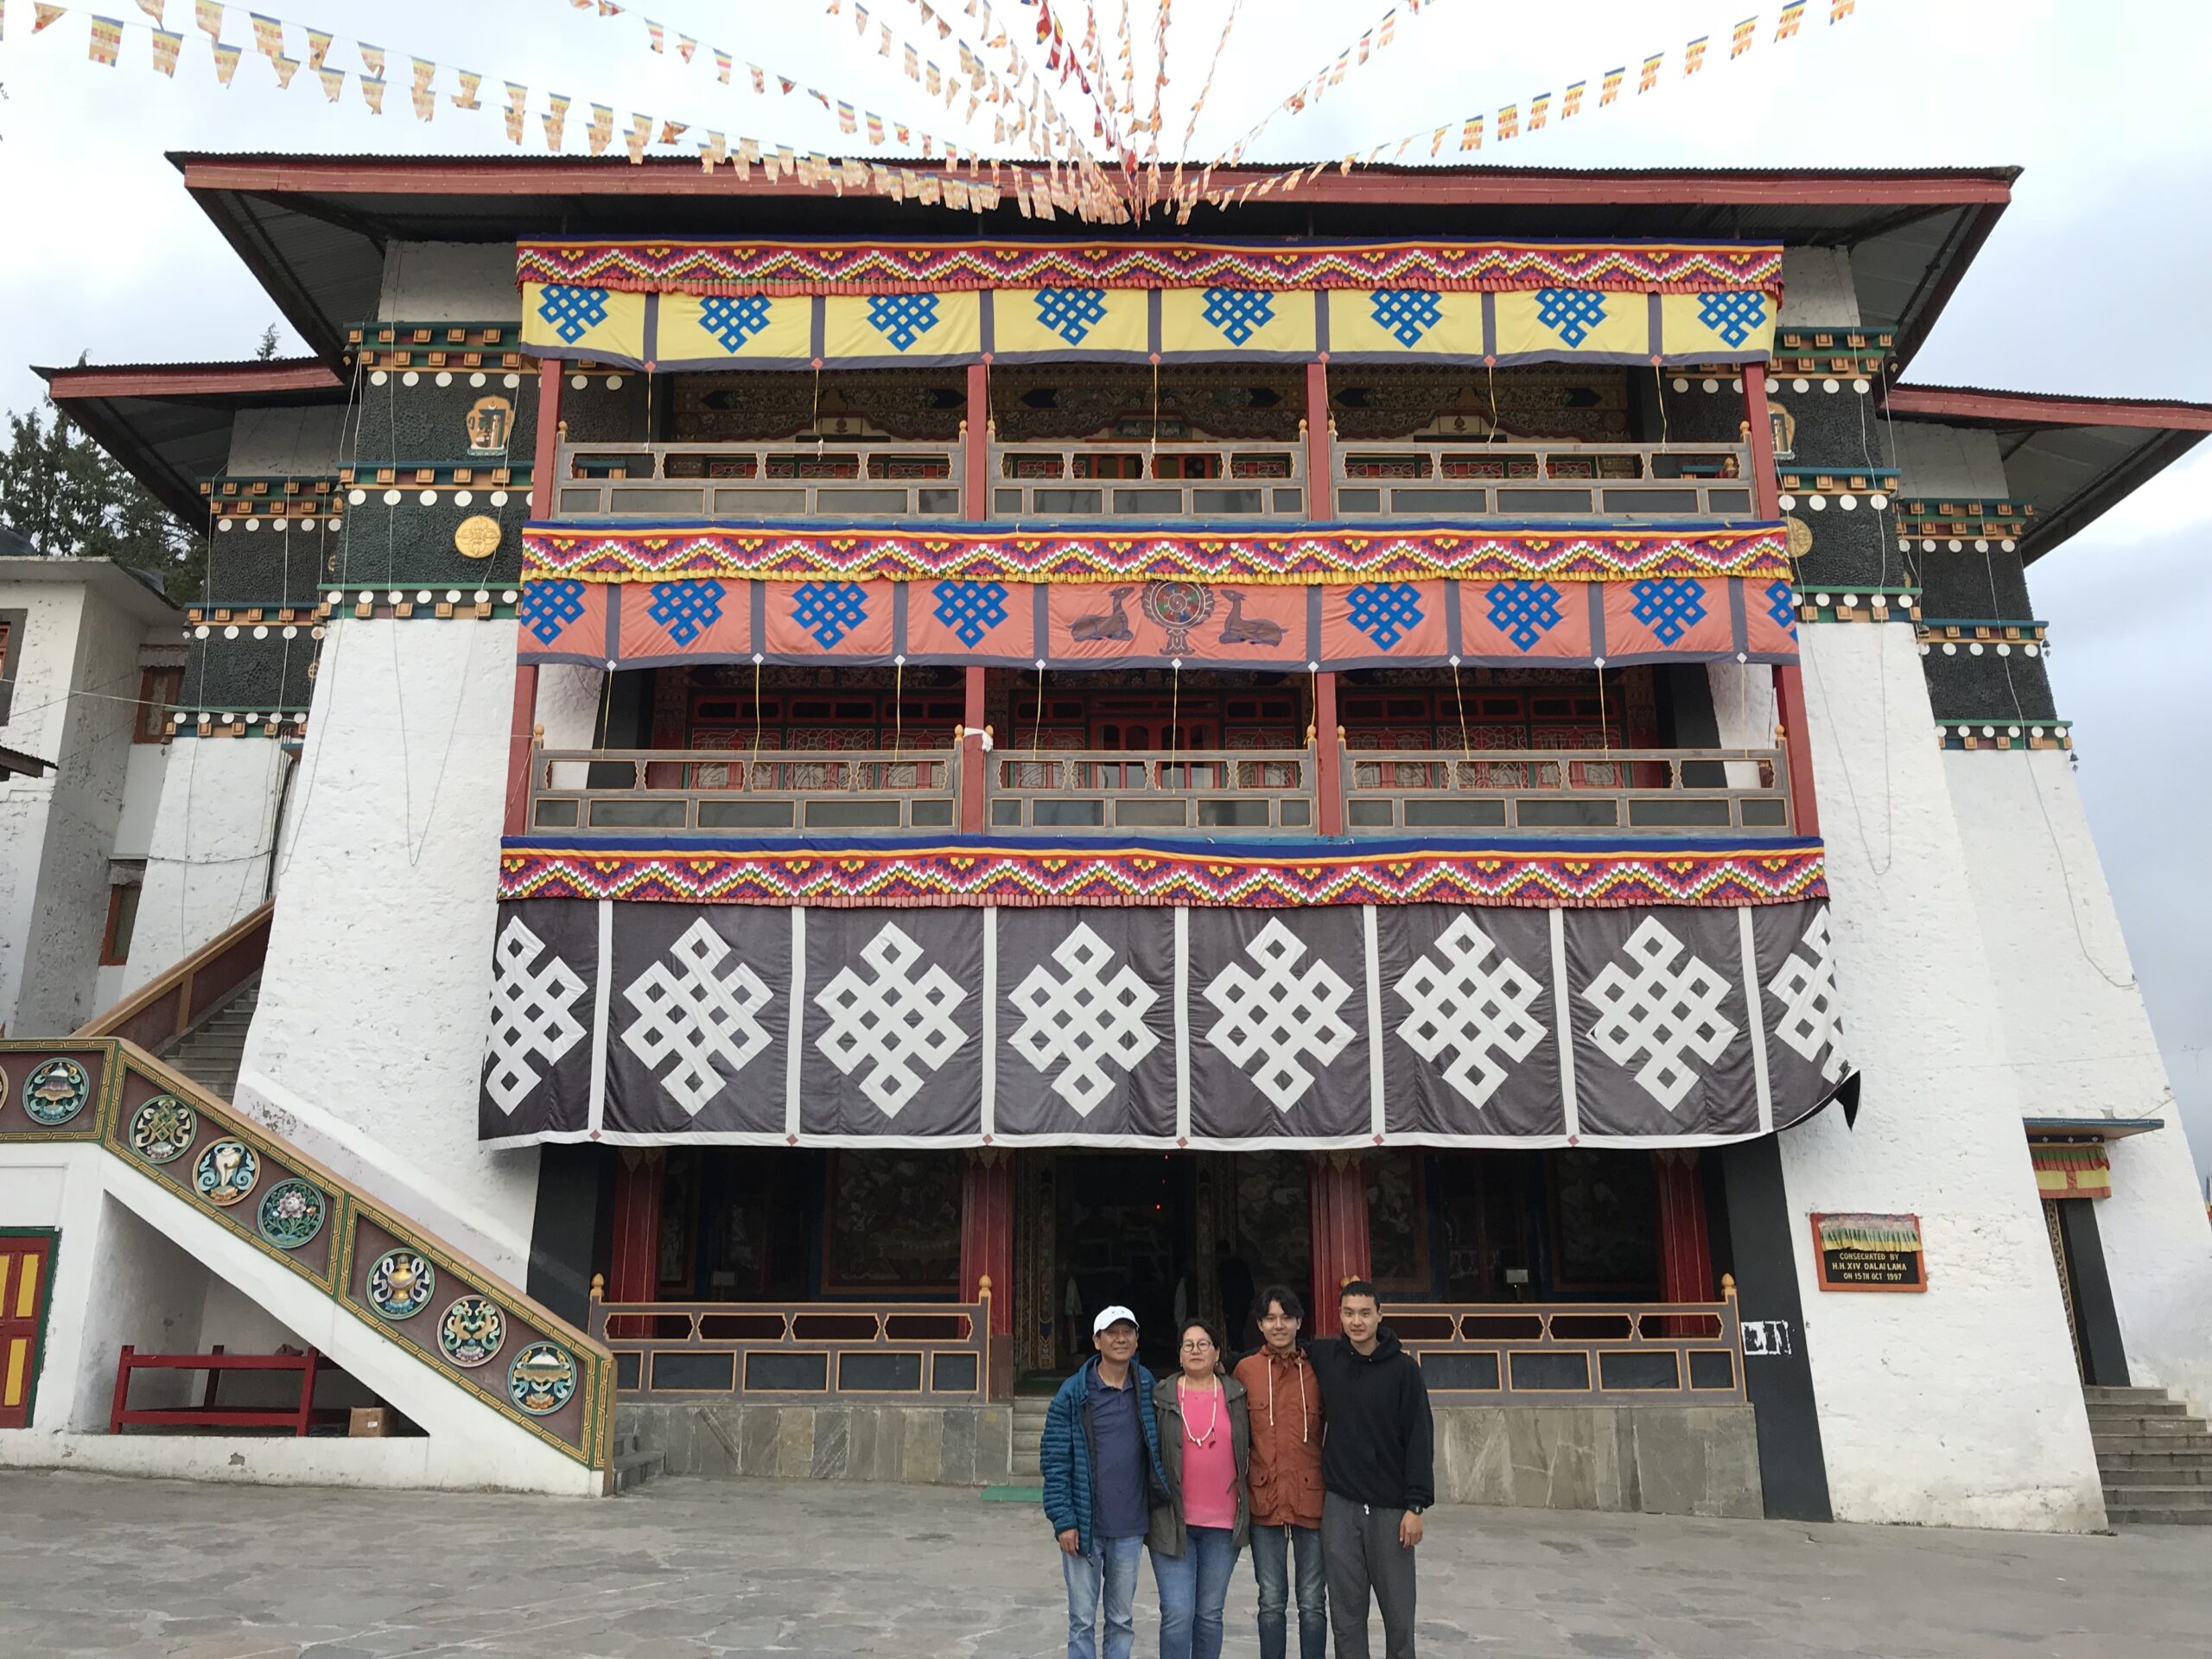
x=522 y=735
x=1328 y=756
x=1685 y=1243
x=1342 y=1246
x=2046 y=409
x=547 y=456
x=190 y=380
x=1320 y=486
x=634 y=1268
x=987 y=1234
x=976 y=452
x=1766 y=491
x=553 y=176
x=1797 y=750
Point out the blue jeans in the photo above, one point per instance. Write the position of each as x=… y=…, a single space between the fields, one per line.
x=1272 y=1548
x=1111 y=1566
x=1194 y=1588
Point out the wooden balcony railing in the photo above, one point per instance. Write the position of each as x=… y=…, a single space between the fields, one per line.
x=1239 y=792
x=1512 y=480
x=1142 y=481
x=840 y=479
x=1577 y=1353
x=922 y=1352
x=176 y=1000
x=1689 y=791
x=599 y=791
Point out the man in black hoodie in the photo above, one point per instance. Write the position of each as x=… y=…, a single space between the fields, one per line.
x=1376 y=1471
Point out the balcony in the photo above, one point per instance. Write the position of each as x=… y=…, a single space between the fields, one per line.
x=1202 y=792
x=1040 y=482
x=843 y=479
x=1512 y=480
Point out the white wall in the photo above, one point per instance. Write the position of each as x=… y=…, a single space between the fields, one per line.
x=1742 y=707
x=207 y=857
x=2081 y=1045
x=142 y=776
x=1957 y=462
x=282 y=442
x=374 y=1002
x=1958 y=1406
x=450 y=281
x=1816 y=288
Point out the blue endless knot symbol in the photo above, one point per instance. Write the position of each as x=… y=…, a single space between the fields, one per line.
x=686 y=609
x=1668 y=606
x=735 y=322
x=902 y=318
x=1240 y=313
x=1408 y=312
x=1733 y=316
x=548 y=607
x=1385 y=611
x=571 y=310
x=1570 y=312
x=1072 y=313
x=1527 y=610
x=1782 y=604
x=970 y=609
x=829 y=610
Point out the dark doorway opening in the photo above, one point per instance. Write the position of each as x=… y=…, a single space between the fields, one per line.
x=1128 y=1234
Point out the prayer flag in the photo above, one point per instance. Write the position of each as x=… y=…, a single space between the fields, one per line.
x=860 y=20
x=640 y=135
x=518 y=96
x=227 y=61
x=913 y=63
x=672 y=131
x=425 y=73
x=1693 y=56
x=1572 y=103
x=1508 y=123
x=685 y=47
x=600 y=133
x=286 y=67
x=465 y=98
x=883 y=40
x=1611 y=88
x=874 y=128
x=318 y=44
x=426 y=103
x=43 y=16
x=107 y=41
x=934 y=81
x=658 y=37
x=1650 y=73
x=1364 y=41
x=555 y=119
x=1745 y=31
x=166 y=47
x=713 y=152
x=721 y=65
x=372 y=59
x=848 y=118
x=1385 y=29
x=372 y=92
x=154 y=9
x=333 y=83
x=1839 y=9
x=759 y=81
x=1792 y=16
x=1539 y=109
x=1470 y=135
x=268 y=34
x=208 y=16
x=748 y=155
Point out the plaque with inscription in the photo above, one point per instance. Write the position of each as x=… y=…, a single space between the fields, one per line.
x=1869 y=1252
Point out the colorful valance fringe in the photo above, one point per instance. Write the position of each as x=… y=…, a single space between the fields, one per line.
x=712 y=268
x=1501 y=623
x=962 y=871
x=2068 y=1169
x=1326 y=554
x=1274 y=324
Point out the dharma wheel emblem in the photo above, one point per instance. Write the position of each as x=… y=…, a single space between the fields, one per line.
x=1177 y=606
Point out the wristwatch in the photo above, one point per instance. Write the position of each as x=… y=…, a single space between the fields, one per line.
x=1415 y=1508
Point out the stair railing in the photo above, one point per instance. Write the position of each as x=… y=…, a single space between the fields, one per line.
x=171 y=1003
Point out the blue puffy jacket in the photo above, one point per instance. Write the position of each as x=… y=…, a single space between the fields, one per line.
x=1068 y=1450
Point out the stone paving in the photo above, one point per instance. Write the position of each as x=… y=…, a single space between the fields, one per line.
x=688 y=1568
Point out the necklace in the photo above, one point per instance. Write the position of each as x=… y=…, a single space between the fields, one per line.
x=1182 y=1394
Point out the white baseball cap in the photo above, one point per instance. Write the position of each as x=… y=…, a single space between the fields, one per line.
x=1110 y=1316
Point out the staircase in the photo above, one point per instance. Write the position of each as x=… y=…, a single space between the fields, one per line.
x=633 y=1464
x=212 y=1053
x=2156 y=1458
x=1029 y=1411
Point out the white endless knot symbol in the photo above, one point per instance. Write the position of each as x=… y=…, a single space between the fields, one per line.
x=1278 y=1014
x=1087 y=1018
x=1471 y=1006
x=530 y=1013
x=893 y=1022
x=1810 y=1018
x=1660 y=1010
x=696 y=1013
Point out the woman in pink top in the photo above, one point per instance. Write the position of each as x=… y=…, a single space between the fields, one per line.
x=1205 y=1448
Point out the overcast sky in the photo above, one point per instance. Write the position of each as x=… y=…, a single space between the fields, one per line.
x=2092 y=283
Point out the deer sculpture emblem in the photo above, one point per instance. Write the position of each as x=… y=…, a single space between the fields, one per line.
x=1237 y=630
x=1105 y=625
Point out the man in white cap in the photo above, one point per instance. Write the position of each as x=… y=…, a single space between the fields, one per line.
x=1100 y=1455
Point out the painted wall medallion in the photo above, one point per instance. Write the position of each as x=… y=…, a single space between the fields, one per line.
x=541 y=1378
x=1177 y=606
x=488 y=422
x=163 y=1130
x=292 y=1213
x=226 y=1172
x=56 y=1091
x=471 y=1330
x=400 y=1283
x=476 y=537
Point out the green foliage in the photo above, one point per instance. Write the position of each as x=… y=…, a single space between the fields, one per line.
x=265 y=351
x=63 y=493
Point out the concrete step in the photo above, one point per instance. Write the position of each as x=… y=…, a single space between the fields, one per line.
x=2100 y=1410
x=634 y=1469
x=2152 y=1517
x=2162 y=1455
x=2164 y=1428
x=2198 y=1474
x=2159 y=1497
x=2098 y=1396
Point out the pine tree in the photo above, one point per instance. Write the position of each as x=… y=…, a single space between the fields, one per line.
x=66 y=495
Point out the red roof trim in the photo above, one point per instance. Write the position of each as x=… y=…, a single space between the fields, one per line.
x=2046 y=409
x=191 y=379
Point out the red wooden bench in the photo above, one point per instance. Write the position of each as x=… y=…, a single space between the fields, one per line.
x=208 y=1414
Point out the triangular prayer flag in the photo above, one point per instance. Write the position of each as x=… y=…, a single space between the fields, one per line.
x=286 y=67
x=227 y=61
x=1742 y=43
x=373 y=92
x=426 y=103
x=372 y=59
x=1792 y=16
x=1650 y=73
x=166 y=47
x=672 y=131
x=42 y=16
x=1839 y=9
x=465 y=98
x=518 y=96
x=318 y=44
x=1693 y=56
x=1538 y=109
x=723 y=62
x=1573 y=101
x=154 y=9
x=268 y=34
x=425 y=73
x=659 y=39
x=713 y=152
x=1611 y=88
x=333 y=83
x=685 y=46
x=106 y=41
x=1508 y=123
x=759 y=79
x=208 y=16
x=600 y=133
x=555 y=118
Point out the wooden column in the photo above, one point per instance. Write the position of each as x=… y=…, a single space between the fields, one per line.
x=1789 y=678
x=1342 y=1250
x=1685 y=1248
x=1328 y=757
x=987 y=1232
x=975 y=761
x=633 y=1271
x=976 y=445
x=543 y=487
x=1320 y=491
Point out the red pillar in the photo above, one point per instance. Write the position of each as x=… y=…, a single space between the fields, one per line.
x=521 y=740
x=545 y=460
x=543 y=487
x=1685 y=1250
x=975 y=761
x=1341 y=1246
x=976 y=445
x=1328 y=757
x=987 y=1232
x=634 y=1273
x=1788 y=679
x=1320 y=491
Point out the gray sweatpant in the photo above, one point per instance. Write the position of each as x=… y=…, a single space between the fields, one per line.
x=1361 y=1552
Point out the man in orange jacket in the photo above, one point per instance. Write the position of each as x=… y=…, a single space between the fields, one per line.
x=1285 y=1404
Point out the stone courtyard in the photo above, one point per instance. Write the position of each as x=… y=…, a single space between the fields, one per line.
x=687 y=1568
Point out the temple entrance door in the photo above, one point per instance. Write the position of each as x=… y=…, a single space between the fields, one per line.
x=1097 y=1228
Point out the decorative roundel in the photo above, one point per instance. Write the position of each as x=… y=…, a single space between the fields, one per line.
x=56 y=1091
x=477 y=537
x=162 y=1131
x=400 y=1283
x=292 y=1213
x=226 y=1171
x=471 y=1330
x=1801 y=536
x=541 y=1378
